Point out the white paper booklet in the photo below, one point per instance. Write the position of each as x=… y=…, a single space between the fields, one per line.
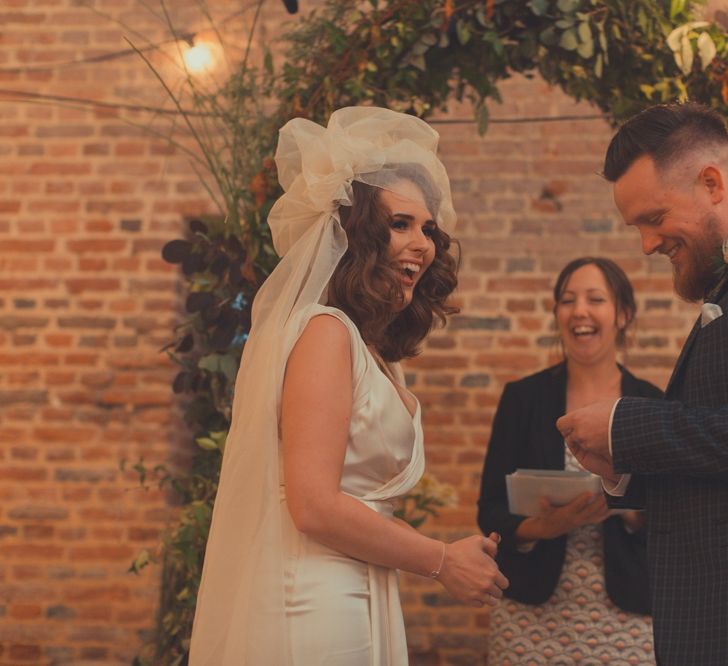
x=526 y=486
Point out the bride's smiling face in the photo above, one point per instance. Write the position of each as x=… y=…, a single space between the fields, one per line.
x=411 y=231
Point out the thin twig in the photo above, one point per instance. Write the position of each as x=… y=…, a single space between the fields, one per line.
x=189 y=124
x=81 y=102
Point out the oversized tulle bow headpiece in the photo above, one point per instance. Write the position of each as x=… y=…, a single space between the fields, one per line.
x=316 y=165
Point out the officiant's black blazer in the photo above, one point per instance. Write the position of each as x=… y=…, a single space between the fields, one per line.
x=678 y=448
x=524 y=435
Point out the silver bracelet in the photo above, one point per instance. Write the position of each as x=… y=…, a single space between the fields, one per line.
x=436 y=573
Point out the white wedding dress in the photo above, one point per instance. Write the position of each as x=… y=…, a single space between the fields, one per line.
x=341 y=611
x=268 y=595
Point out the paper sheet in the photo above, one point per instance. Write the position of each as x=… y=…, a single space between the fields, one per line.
x=526 y=486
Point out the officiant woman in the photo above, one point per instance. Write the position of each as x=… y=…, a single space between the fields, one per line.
x=579 y=583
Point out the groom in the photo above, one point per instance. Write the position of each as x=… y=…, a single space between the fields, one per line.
x=669 y=166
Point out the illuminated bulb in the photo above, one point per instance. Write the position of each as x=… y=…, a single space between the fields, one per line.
x=199 y=58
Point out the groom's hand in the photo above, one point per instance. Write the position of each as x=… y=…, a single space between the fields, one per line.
x=586 y=432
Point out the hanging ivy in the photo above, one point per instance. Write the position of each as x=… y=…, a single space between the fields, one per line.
x=621 y=55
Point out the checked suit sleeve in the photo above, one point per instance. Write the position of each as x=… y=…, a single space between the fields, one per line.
x=666 y=437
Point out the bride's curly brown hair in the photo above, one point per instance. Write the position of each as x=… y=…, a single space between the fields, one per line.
x=366 y=284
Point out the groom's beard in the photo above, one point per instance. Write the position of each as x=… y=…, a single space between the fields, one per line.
x=699 y=274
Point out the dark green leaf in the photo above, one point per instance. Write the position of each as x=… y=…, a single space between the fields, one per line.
x=568 y=6
x=199 y=300
x=176 y=251
x=584 y=31
x=222 y=336
x=549 y=37
x=206 y=443
x=210 y=362
x=219 y=264
x=193 y=263
x=429 y=39
x=586 y=47
x=677 y=7
x=538 y=7
x=599 y=66
x=229 y=366
x=568 y=40
x=463 y=32
x=185 y=344
x=483 y=118
x=181 y=382
x=198 y=227
x=602 y=39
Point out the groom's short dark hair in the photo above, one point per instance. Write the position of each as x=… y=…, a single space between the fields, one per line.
x=664 y=132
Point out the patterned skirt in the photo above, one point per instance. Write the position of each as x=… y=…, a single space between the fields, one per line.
x=579 y=624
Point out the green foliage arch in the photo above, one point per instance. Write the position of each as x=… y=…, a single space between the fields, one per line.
x=621 y=55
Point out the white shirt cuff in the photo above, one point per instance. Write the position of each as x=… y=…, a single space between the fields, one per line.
x=620 y=488
x=526 y=546
x=609 y=432
x=617 y=489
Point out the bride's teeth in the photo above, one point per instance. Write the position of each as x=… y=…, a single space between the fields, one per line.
x=411 y=267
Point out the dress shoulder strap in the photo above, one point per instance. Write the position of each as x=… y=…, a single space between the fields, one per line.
x=358 y=348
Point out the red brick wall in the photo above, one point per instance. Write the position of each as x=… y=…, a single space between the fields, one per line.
x=86 y=202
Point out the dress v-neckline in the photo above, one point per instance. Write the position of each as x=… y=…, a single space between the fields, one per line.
x=390 y=380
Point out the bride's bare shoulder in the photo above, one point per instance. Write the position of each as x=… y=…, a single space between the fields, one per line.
x=325 y=339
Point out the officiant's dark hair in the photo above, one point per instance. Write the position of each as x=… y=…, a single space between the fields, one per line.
x=617 y=281
x=665 y=132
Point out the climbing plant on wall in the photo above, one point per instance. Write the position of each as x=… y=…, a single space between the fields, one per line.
x=621 y=55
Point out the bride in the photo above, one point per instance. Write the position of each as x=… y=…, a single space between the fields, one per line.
x=300 y=566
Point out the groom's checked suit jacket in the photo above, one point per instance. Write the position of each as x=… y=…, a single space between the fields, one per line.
x=678 y=447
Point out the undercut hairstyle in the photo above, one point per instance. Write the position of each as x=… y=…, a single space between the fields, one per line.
x=366 y=284
x=617 y=282
x=667 y=133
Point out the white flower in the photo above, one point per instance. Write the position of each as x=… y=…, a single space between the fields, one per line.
x=706 y=49
x=424 y=499
x=434 y=490
x=679 y=42
x=448 y=495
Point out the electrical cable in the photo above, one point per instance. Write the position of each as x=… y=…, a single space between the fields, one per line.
x=528 y=119
x=114 y=55
x=25 y=95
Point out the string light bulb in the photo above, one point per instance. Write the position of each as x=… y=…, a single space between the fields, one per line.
x=199 y=58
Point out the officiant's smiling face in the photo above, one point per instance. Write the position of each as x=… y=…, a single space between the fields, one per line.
x=587 y=317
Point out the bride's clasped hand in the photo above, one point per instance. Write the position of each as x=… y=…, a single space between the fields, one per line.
x=468 y=576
